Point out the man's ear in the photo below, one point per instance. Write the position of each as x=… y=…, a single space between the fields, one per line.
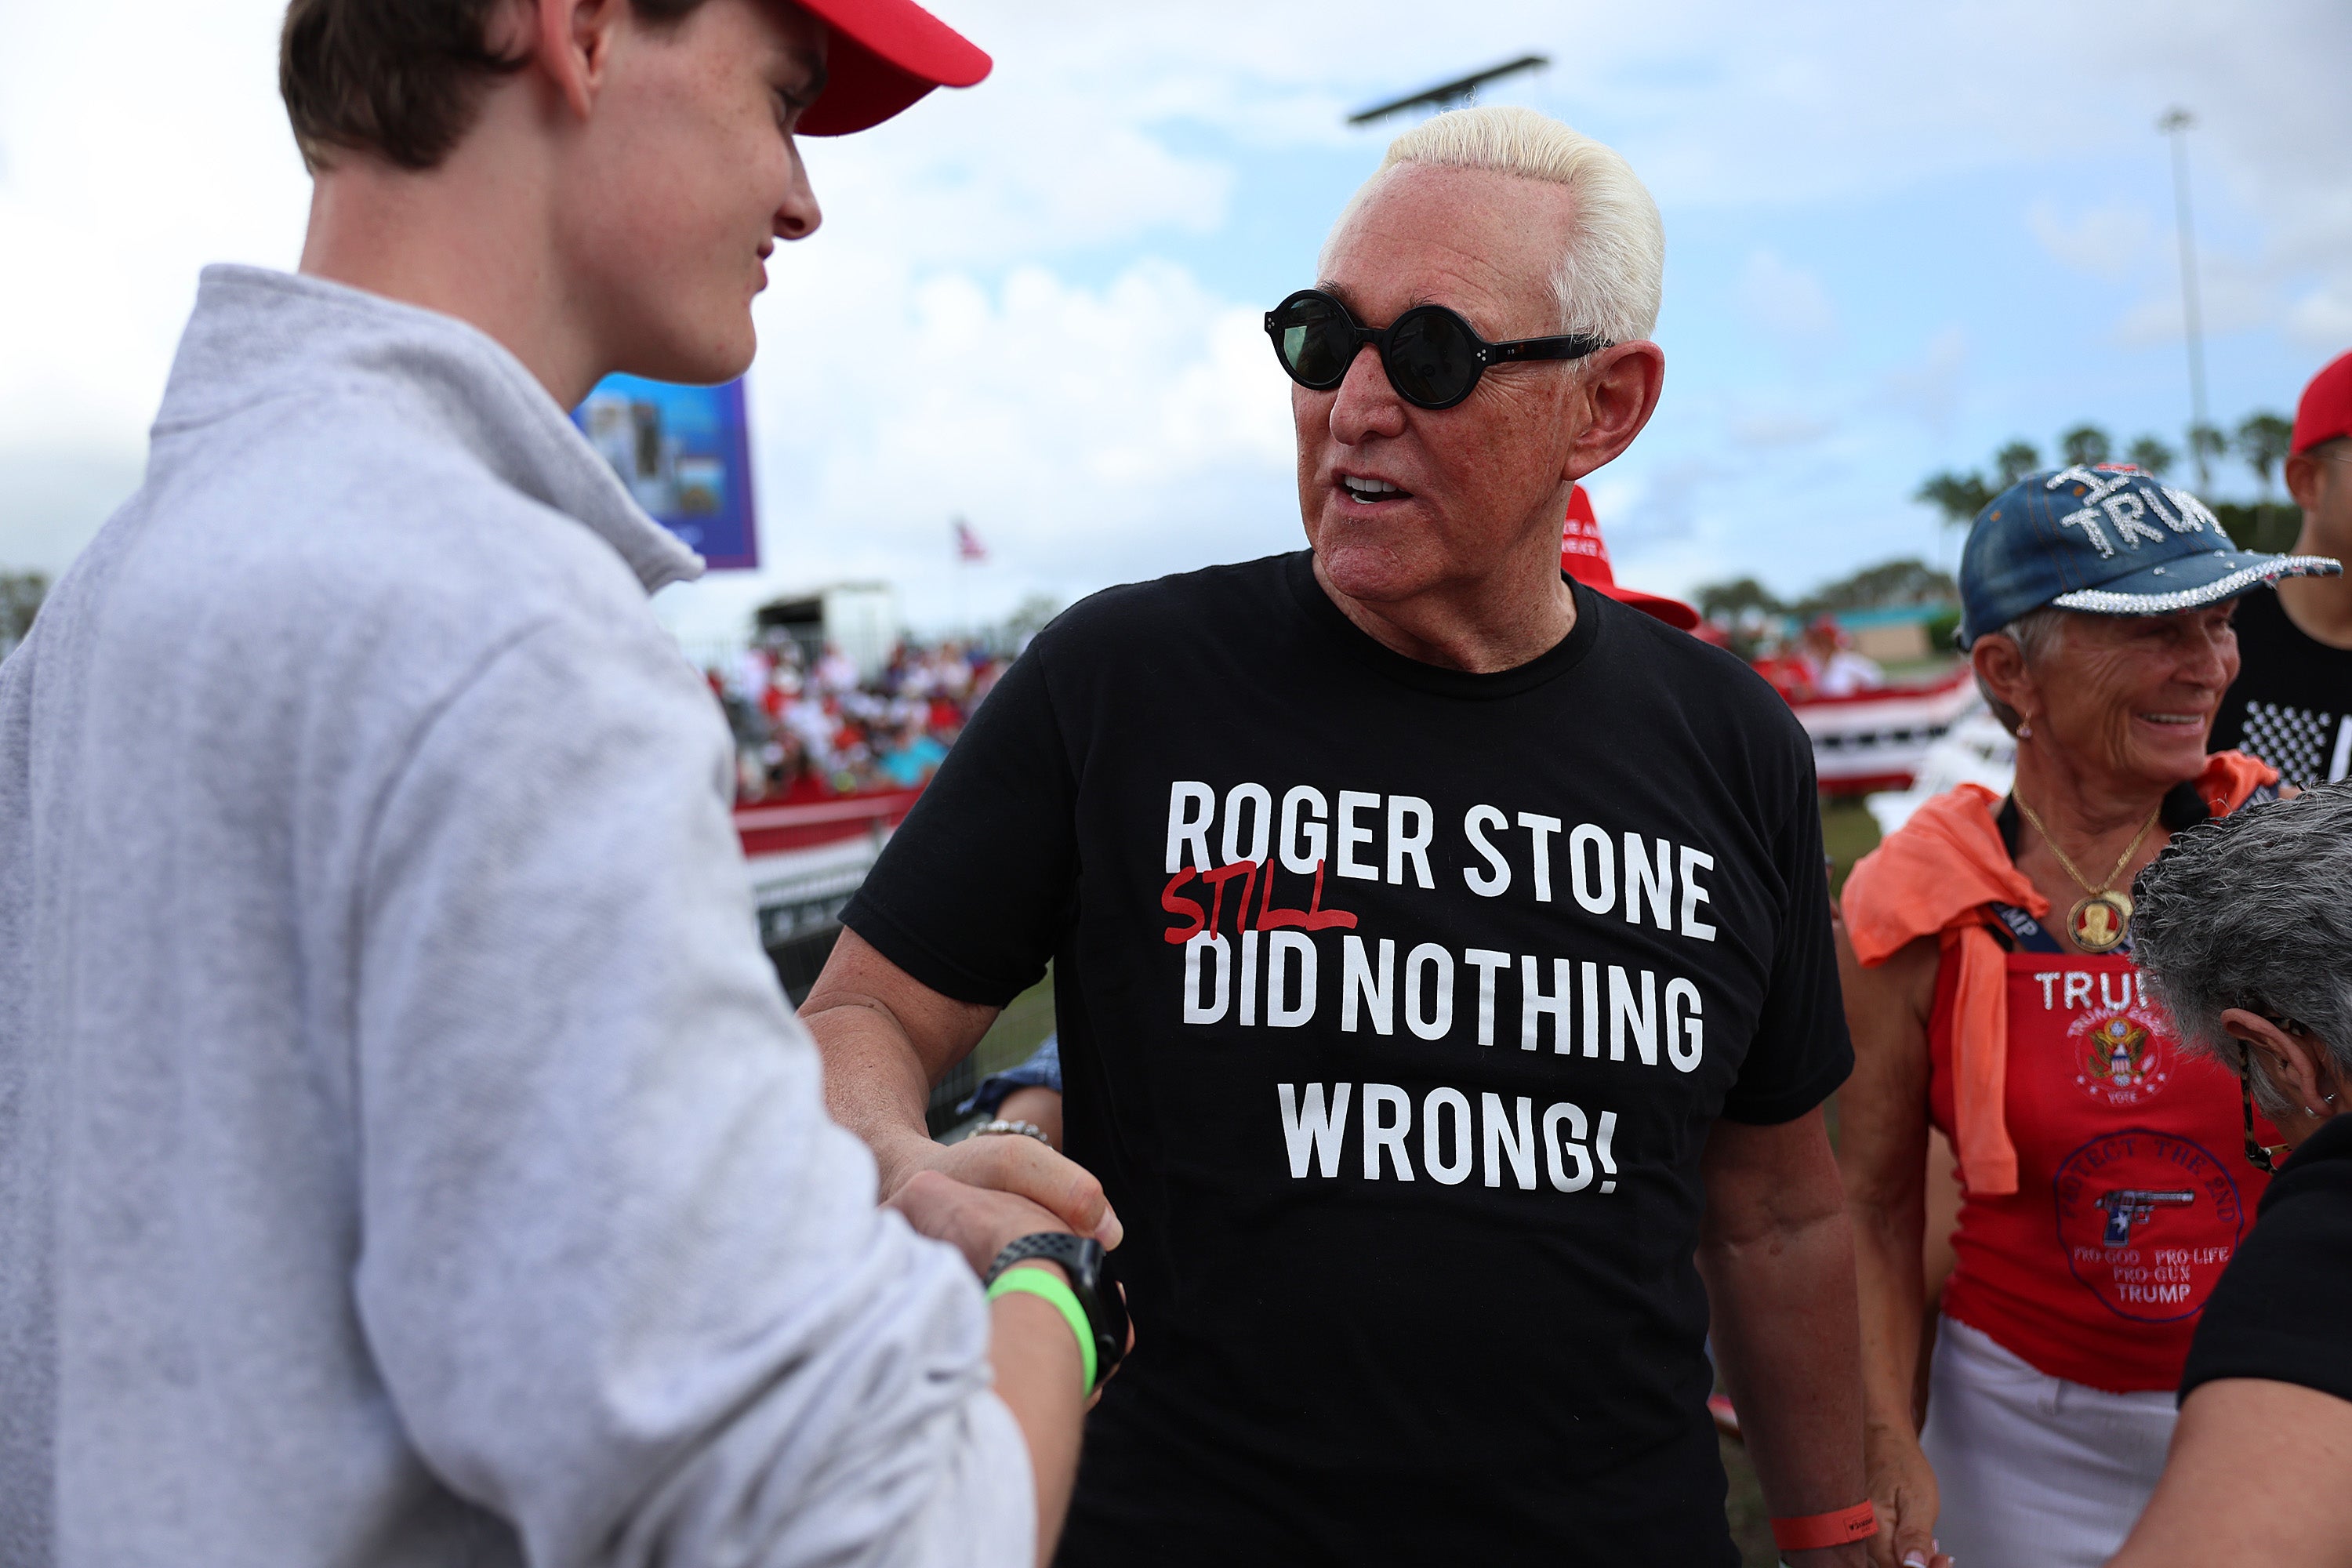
x=1999 y=663
x=2303 y=479
x=2291 y=1062
x=573 y=46
x=1621 y=392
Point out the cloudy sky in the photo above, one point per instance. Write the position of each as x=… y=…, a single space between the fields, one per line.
x=1897 y=236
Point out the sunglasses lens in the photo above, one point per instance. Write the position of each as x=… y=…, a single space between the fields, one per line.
x=1430 y=357
x=1313 y=336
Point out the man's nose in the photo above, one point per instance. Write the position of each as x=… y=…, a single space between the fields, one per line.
x=798 y=214
x=1366 y=403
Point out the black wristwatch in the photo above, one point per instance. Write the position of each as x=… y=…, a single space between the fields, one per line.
x=1091 y=1281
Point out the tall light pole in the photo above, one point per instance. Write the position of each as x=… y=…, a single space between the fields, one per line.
x=1450 y=94
x=2175 y=124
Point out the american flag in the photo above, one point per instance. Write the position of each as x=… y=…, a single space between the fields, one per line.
x=968 y=546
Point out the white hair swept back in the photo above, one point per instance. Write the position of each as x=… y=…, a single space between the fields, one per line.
x=1610 y=276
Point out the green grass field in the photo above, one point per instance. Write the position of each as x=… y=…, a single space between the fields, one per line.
x=1848 y=833
x=1743 y=1506
x=1026 y=1020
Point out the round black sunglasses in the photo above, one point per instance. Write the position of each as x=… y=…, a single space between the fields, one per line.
x=1434 y=358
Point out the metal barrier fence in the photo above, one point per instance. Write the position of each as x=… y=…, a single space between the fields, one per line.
x=800 y=920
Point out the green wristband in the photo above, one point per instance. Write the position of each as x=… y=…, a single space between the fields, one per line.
x=1049 y=1283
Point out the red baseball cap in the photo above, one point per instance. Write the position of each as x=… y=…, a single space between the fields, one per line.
x=2326 y=411
x=1584 y=556
x=883 y=54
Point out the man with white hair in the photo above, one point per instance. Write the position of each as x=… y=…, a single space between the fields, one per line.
x=1442 y=952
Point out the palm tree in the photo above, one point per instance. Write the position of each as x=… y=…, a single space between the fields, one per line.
x=2152 y=454
x=2016 y=460
x=2086 y=445
x=2262 y=441
x=1729 y=601
x=2206 y=444
x=1959 y=497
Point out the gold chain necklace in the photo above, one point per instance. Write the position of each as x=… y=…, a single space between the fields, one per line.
x=2100 y=919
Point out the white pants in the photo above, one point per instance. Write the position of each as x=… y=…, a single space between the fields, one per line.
x=2034 y=1471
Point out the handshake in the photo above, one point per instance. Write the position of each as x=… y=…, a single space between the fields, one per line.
x=1003 y=1202
x=984 y=1194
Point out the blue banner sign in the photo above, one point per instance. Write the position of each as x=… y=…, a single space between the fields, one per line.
x=684 y=453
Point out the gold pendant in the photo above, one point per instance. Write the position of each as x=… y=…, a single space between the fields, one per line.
x=2100 y=921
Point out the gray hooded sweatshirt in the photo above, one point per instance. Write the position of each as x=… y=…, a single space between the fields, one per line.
x=406 y=1155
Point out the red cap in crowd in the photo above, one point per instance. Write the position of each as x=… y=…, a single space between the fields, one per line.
x=882 y=55
x=1584 y=556
x=2326 y=411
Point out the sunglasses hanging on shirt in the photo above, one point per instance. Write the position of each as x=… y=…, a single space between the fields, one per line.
x=2261 y=1156
x=1434 y=358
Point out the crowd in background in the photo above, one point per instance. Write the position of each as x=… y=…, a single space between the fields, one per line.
x=808 y=731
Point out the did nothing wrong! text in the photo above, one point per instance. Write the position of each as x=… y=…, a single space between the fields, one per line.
x=1255 y=958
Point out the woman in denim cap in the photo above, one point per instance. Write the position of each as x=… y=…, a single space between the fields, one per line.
x=1990 y=990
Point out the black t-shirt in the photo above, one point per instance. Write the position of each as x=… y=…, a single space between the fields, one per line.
x=2291 y=702
x=2280 y=1311
x=1408 y=1149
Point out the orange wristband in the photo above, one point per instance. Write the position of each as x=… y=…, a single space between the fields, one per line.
x=1843 y=1528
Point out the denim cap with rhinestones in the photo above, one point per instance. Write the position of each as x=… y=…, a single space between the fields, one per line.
x=2108 y=539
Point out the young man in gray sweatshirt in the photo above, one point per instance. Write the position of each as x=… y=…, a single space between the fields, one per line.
x=406 y=1155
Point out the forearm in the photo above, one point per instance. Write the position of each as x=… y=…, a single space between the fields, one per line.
x=2255 y=1475
x=1785 y=1334
x=1039 y=1374
x=875 y=1081
x=1882 y=1159
x=1891 y=1299
x=885 y=1039
x=1039 y=1365
x=1886 y=1205
x=1041 y=1107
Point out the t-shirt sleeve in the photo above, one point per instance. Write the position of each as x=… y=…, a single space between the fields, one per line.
x=1800 y=1051
x=972 y=893
x=2279 y=1311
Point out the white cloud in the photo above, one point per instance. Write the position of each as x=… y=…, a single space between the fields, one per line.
x=1787 y=301
x=2322 y=318
x=989 y=322
x=1088 y=435
x=2233 y=295
x=1018 y=399
x=2106 y=240
x=53 y=498
x=1666 y=510
x=126 y=169
x=1002 y=173
x=1929 y=387
x=1766 y=428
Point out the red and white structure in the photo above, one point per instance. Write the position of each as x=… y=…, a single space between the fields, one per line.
x=1878 y=740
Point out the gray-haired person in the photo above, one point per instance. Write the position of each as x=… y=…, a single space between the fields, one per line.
x=2245 y=935
x=1441 y=959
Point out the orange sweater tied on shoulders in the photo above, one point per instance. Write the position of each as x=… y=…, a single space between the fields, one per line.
x=1934 y=877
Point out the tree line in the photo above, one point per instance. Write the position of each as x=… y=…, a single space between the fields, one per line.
x=20 y=600
x=2260 y=442
x=1909 y=581
x=1750 y=613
